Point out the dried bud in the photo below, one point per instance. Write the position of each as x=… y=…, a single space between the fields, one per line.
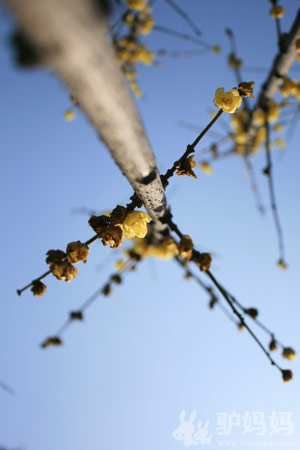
x=213 y=300
x=99 y=223
x=134 y=255
x=76 y=315
x=185 y=247
x=107 y=290
x=187 y=275
x=287 y=375
x=289 y=353
x=55 y=341
x=77 y=251
x=204 y=261
x=252 y=312
x=116 y=278
x=277 y=12
x=246 y=89
x=186 y=167
x=63 y=271
x=112 y=236
x=54 y=256
x=273 y=345
x=118 y=215
x=282 y=264
x=38 y=288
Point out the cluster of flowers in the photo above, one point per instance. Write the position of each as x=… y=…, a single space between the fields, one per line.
x=120 y=224
x=128 y=49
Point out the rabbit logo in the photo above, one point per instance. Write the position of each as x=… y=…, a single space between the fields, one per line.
x=185 y=431
x=202 y=434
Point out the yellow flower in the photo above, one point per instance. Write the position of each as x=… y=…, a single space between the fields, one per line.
x=135 y=224
x=289 y=353
x=278 y=127
x=69 y=115
x=280 y=143
x=138 y=5
x=206 y=167
x=228 y=101
x=216 y=49
x=282 y=264
x=146 y=25
x=277 y=12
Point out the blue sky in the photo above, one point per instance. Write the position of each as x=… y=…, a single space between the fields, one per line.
x=153 y=348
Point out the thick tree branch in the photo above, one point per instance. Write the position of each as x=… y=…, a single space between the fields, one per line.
x=71 y=39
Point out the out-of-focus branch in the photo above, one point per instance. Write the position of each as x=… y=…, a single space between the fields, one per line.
x=281 y=66
x=71 y=39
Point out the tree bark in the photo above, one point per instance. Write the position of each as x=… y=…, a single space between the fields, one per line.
x=71 y=38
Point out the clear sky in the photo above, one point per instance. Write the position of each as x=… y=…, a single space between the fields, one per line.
x=153 y=348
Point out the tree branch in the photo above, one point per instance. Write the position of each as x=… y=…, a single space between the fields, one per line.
x=71 y=39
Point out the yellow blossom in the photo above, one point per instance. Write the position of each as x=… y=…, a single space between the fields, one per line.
x=216 y=49
x=120 y=265
x=228 y=101
x=69 y=115
x=146 y=25
x=280 y=143
x=135 y=224
x=289 y=353
x=137 y=5
x=206 y=167
x=278 y=127
x=282 y=264
x=277 y=12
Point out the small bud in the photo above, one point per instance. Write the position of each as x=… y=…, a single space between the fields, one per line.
x=116 y=278
x=38 y=288
x=186 y=167
x=277 y=12
x=287 y=375
x=204 y=261
x=282 y=264
x=289 y=353
x=213 y=300
x=63 y=271
x=112 y=236
x=107 y=290
x=273 y=345
x=99 y=223
x=55 y=341
x=69 y=115
x=77 y=251
x=246 y=89
x=118 y=215
x=252 y=312
x=185 y=247
x=76 y=315
x=54 y=256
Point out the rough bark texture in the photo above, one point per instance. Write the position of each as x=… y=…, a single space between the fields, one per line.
x=71 y=39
